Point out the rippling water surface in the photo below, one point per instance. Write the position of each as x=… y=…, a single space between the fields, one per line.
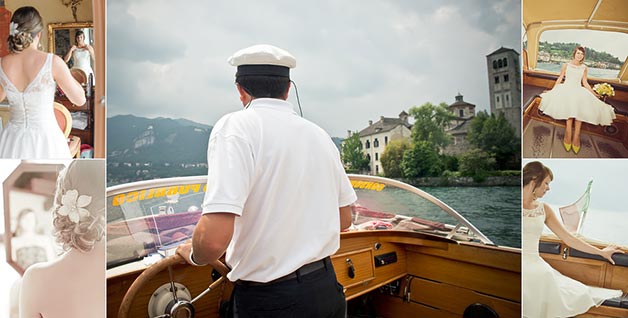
x=495 y=211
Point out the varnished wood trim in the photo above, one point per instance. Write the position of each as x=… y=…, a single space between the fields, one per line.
x=489 y=281
x=456 y=299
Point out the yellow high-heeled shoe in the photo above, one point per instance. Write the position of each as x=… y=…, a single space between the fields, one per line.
x=567 y=146
x=576 y=149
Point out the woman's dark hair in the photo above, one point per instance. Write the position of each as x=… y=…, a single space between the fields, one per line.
x=79 y=32
x=259 y=86
x=581 y=49
x=536 y=171
x=29 y=24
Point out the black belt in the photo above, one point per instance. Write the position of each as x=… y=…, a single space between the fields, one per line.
x=324 y=263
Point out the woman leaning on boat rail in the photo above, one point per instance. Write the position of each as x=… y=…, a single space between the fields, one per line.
x=546 y=292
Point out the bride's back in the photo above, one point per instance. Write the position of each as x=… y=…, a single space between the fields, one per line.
x=22 y=68
x=71 y=286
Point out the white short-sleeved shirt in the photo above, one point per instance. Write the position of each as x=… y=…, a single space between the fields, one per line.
x=282 y=175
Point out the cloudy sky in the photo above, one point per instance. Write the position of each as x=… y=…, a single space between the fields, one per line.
x=607 y=219
x=356 y=60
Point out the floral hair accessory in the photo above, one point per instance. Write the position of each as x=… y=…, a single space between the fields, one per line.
x=73 y=205
x=13 y=29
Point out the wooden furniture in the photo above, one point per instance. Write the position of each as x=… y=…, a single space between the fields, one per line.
x=86 y=135
x=64 y=118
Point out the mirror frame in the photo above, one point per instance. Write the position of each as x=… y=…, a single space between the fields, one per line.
x=8 y=186
x=64 y=25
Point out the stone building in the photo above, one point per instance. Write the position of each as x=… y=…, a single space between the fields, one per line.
x=504 y=82
x=459 y=127
x=376 y=137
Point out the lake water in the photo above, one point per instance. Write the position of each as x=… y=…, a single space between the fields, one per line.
x=592 y=72
x=495 y=211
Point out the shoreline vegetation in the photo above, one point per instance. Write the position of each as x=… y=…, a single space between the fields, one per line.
x=559 y=53
x=459 y=181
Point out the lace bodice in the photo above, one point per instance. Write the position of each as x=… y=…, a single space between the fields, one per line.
x=533 y=222
x=539 y=210
x=33 y=106
x=82 y=60
x=573 y=74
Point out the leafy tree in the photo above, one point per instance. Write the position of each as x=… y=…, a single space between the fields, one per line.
x=476 y=163
x=449 y=162
x=421 y=160
x=430 y=122
x=495 y=136
x=565 y=51
x=352 y=155
x=392 y=158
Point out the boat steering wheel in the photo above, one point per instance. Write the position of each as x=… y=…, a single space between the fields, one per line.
x=178 y=307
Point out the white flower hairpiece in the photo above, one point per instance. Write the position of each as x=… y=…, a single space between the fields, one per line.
x=13 y=29
x=73 y=205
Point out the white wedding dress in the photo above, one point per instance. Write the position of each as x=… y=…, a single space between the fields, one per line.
x=82 y=60
x=33 y=131
x=571 y=100
x=546 y=292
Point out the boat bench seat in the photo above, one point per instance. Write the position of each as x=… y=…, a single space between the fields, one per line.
x=549 y=247
x=619 y=302
x=532 y=91
x=620 y=259
x=554 y=248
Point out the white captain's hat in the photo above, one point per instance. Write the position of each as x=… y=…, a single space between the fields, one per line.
x=263 y=59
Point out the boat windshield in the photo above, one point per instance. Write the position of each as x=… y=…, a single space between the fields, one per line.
x=146 y=217
x=605 y=51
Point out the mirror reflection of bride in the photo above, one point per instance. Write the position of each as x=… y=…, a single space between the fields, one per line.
x=28 y=245
x=73 y=285
x=82 y=55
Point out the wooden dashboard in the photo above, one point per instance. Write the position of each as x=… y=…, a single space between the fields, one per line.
x=418 y=274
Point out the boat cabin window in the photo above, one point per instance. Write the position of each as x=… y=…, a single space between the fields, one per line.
x=605 y=51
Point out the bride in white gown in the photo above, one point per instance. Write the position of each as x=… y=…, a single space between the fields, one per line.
x=27 y=79
x=73 y=285
x=546 y=292
x=82 y=55
x=575 y=101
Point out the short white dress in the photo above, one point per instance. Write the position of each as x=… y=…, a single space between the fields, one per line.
x=571 y=100
x=82 y=60
x=33 y=131
x=546 y=292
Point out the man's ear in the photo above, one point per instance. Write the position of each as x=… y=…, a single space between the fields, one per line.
x=285 y=96
x=241 y=90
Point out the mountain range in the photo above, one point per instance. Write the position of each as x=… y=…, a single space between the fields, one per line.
x=141 y=148
x=158 y=140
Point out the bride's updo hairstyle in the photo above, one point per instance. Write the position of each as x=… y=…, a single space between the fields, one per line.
x=25 y=24
x=79 y=210
x=536 y=171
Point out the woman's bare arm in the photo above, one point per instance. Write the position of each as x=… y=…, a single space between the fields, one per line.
x=572 y=241
x=585 y=82
x=72 y=89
